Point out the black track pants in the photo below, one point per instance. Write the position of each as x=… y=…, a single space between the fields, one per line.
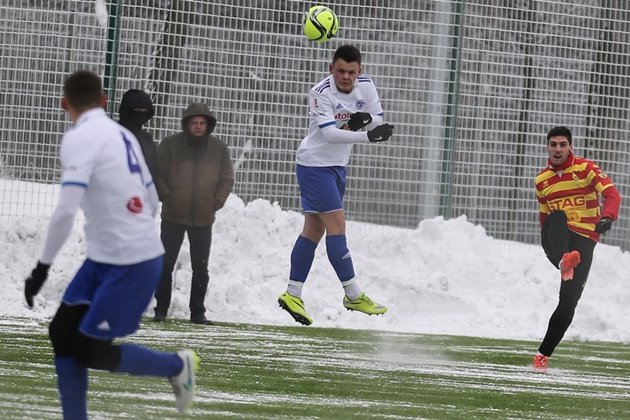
x=557 y=239
x=200 y=240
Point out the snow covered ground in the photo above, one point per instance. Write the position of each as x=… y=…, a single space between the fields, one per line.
x=445 y=277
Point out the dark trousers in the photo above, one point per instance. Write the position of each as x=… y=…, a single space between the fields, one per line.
x=557 y=239
x=200 y=239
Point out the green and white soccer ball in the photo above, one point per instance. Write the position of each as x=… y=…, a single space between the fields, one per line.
x=320 y=23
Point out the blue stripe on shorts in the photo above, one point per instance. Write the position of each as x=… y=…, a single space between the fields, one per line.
x=321 y=188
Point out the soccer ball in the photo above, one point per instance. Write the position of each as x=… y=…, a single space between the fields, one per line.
x=320 y=24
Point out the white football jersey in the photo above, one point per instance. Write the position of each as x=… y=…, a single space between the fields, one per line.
x=330 y=107
x=105 y=158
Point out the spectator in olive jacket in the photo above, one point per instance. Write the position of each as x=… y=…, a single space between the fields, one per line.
x=195 y=178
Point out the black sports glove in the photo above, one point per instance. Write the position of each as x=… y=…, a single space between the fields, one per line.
x=358 y=120
x=603 y=225
x=35 y=282
x=381 y=133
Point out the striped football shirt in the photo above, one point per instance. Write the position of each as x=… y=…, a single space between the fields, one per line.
x=575 y=188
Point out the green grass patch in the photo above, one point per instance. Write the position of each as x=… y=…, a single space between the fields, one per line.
x=259 y=371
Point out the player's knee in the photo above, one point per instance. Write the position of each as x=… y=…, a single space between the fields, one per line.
x=557 y=216
x=64 y=328
x=96 y=354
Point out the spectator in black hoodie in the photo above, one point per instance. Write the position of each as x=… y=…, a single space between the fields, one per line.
x=136 y=108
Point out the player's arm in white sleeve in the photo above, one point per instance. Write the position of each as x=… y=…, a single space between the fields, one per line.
x=377 y=119
x=374 y=107
x=154 y=200
x=337 y=135
x=322 y=112
x=62 y=221
x=77 y=160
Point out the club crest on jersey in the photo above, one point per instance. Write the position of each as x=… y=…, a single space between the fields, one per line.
x=134 y=205
x=360 y=103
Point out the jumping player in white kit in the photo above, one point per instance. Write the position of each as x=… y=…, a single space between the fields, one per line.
x=345 y=109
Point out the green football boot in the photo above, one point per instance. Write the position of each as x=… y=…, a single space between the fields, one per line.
x=364 y=304
x=295 y=307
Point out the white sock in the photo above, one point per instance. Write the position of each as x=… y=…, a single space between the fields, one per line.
x=294 y=288
x=351 y=288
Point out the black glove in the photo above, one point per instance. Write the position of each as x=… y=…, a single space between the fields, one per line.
x=358 y=120
x=35 y=282
x=603 y=225
x=381 y=133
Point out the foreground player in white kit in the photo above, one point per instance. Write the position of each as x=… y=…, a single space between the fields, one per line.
x=104 y=173
x=344 y=109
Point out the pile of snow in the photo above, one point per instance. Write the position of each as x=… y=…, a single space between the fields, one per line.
x=445 y=277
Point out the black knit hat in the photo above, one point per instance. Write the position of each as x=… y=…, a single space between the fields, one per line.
x=560 y=131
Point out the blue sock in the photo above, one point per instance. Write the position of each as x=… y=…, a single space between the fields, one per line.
x=302 y=258
x=72 y=382
x=339 y=256
x=138 y=360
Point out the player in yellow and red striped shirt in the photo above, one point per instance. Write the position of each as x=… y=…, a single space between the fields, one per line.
x=568 y=191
